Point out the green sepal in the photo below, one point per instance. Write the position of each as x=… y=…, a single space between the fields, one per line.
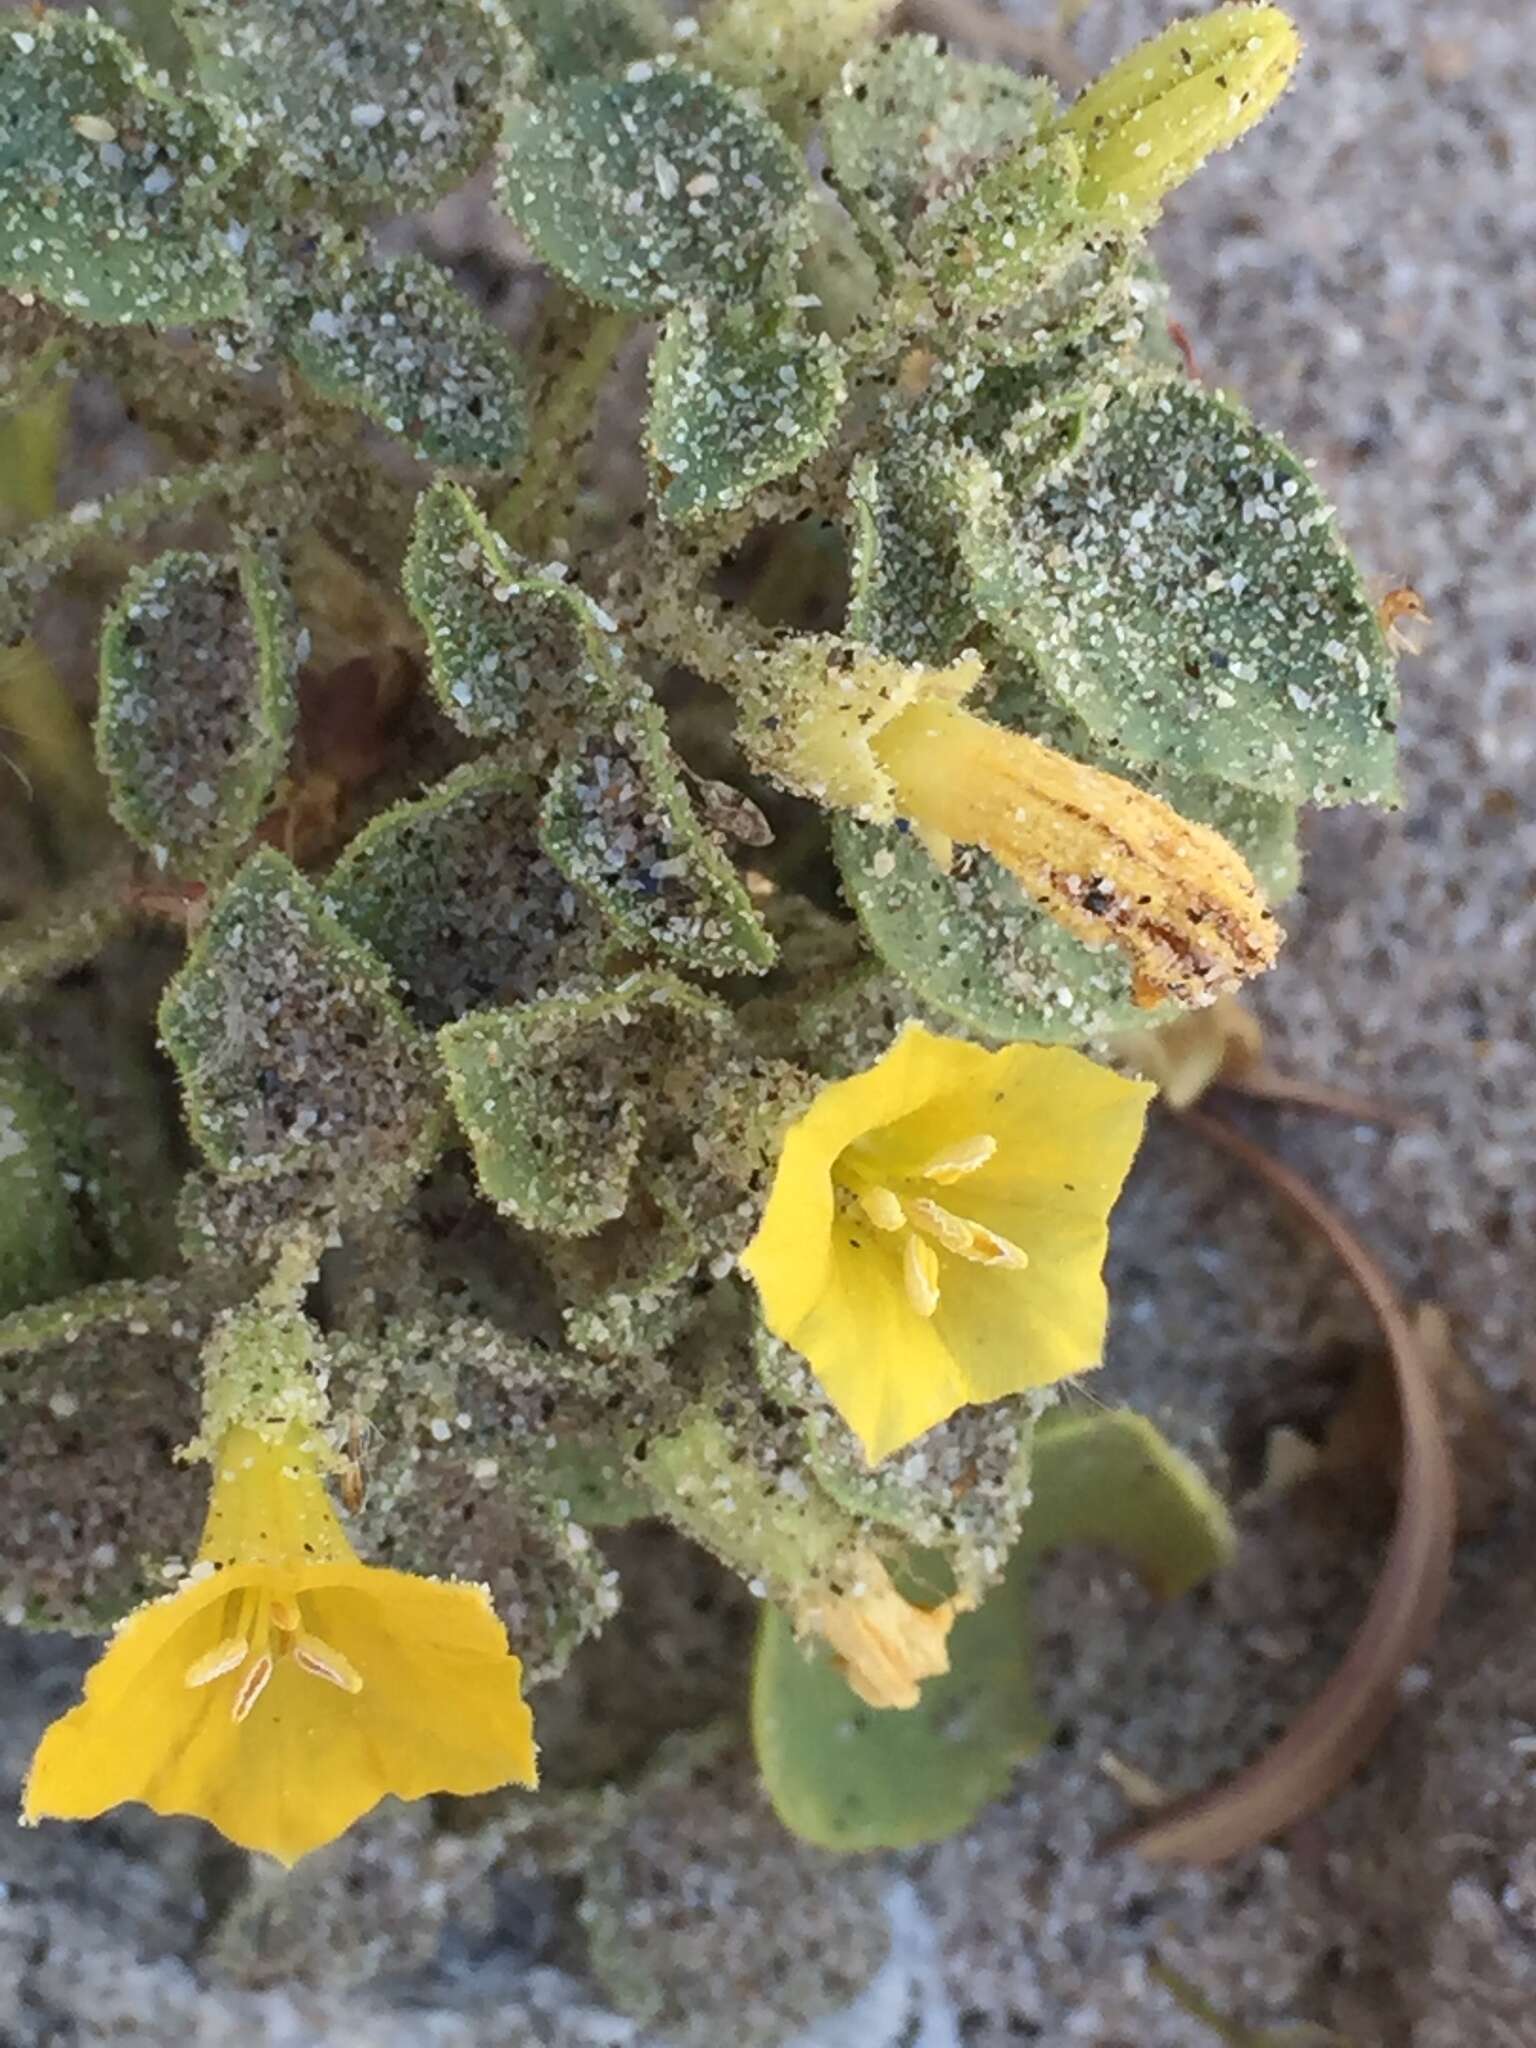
x=739 y=398
x=396 y=341
x=1012 y=229
x=909 y=595
x=619 y=823
x=516 y=652
x=292 y=1048
x=655 y=188
x=108 y=181
x=365 y=104
x=1216 y=625
x=851 y=1777
x=453 y=891
x=198 y=681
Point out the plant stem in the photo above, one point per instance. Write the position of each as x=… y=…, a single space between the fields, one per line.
x=563 y=422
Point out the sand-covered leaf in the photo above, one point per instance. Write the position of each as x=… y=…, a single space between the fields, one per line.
x=61 y=1212
x=291 y=1046
x=910 y=597
x=546 y=1094
x=108 y=182
x=578 y=38
x=1183 y=592
x=517 y=652
x=96 y=1392
x=197 y=705
x=372 y=104
x=619 y=822
x=739 y=398
x=396 y=341
x=453 y=891
x=655 y=188
x=908 y=123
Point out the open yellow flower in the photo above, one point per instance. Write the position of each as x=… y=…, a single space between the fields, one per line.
x=936 y=1229
x=287 y=1687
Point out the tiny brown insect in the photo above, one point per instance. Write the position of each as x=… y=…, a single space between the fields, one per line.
x=353 y=1484
x=1402 y=603
x=729 y=813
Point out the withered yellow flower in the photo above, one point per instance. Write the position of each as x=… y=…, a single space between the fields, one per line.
x=936 y=1229
x=286 y=1687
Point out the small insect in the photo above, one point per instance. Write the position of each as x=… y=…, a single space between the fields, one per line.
x=729 y=813
x=354 y=1473
x=1401 y=603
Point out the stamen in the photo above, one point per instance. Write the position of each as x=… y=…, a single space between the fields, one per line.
x=883 y=1208
x=952 y=1231
x=252 y=1686
x=956 y=1161
x=285 y=1614
x=920 y=1273
x=226 y=1656
x=967 y=1239
x=320 y=1660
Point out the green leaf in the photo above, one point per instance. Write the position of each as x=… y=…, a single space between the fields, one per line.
x=390 y=105
x=572 y=38
x=96 y=1392
x=852 y=1777
x=197 y=704
x=656 y=188
x=537 y=1091
x=740 y=398
x=974 y=945
x=516 y=652
x=291 y=1047
x=1211 y=622
x=107 y=180
x=396 y=341
x=909 y=598
x=50 y=1233
x=619 y=823
x=1109 y=1477
x=454 y=892
x=908 y=124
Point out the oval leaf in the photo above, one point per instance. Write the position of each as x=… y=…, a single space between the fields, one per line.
x=197 y=704
x=1214 y=623
x=655 y=188
x=107 y=180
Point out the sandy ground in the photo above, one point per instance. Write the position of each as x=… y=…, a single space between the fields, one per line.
x=1363 y=271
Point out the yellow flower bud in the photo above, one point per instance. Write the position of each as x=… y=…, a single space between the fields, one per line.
x=1152 y=120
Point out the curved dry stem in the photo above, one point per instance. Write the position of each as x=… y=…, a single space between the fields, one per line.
x=1340 y=1727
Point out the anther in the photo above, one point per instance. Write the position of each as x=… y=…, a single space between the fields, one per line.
x=966 y=1239
x=226 y=1656
x=252 y=1686
x=320 y=1660
x=956 y=1161
x=920 y=1274
x=285 y=1614
x=883 y=1208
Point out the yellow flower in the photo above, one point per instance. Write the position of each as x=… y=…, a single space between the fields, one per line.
x=286 y=1687
x=1110 y=862
x=936 y=1229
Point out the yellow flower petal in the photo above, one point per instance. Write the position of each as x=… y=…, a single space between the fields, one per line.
x=282 y=1695
x=902 y=1329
